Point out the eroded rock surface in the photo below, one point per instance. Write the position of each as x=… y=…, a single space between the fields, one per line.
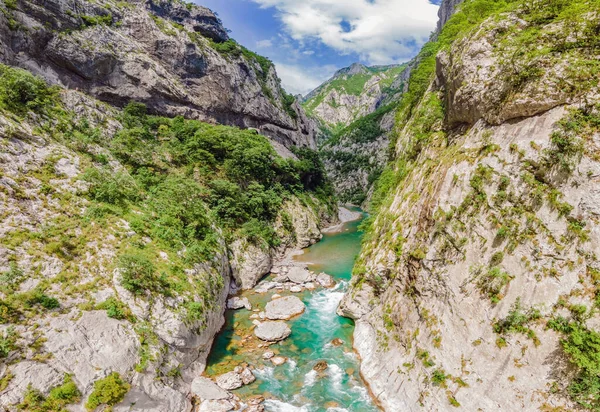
x=284 y=308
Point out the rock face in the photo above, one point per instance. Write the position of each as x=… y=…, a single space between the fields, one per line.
x=446 y=10
x=478 y=246
x=340 y=102
x=206 y=389
x=272 y=331
x=158 y=52
x=284 y=308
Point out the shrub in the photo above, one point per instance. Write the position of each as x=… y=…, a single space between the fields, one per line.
x=21 y=92
x=110 y=187
x=56 y=401
x=8 y=342
x=108 y=391
x=493 y=283
x=439 y=377
x=181 y=215
x=582 y=347
x=138 y=274
x=115 y=308
x=11 y=279
x=37 y=297
x=517 y=321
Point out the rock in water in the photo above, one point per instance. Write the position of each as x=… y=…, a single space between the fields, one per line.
x=278 y=360
x=272 y=331
x=325 y=280
x=247 y=376
x=230 y=381
x=337 y=342
x=284 y=308
x=321 y=366
x=206 y=389
x=298 y=275
x=239 y=303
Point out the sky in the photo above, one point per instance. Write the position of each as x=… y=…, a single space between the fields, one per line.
x=309 y=40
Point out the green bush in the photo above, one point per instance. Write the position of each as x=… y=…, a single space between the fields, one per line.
x=138 y=274
x=110 y=187
x=7 y=342
x=21 y=92
x=518 y=321
x=108 y=391
x=10 y=280
x=115 y=309
x=582 y=347
x=493 y=283
x=56 y=401
x=37 y=297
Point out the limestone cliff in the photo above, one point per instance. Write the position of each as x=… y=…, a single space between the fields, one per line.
x=477 y=286
x=176 y=58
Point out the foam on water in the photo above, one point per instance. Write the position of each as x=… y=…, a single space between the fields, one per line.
x=273 y=405
x=336 y=375
x=310 y=378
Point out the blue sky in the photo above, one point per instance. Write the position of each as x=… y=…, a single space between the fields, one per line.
x=308 y=40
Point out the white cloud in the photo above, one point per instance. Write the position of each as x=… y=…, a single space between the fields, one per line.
x=380 y=31
x=264 y=44
x=302 y=80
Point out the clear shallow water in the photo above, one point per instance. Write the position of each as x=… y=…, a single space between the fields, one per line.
x=295 y=386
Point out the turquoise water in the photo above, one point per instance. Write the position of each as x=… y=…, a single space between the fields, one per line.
x=295 y=386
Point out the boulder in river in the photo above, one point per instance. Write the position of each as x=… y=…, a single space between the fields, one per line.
x=325 y=280
x=299 y=275
x=337 y=342
x=230 y=381
x=206 y=389
x=321 y=366
x=247 y=376
x=272 y=331
x=239 y=303
x=284 y=308
x=278 y=360
x=216 y=406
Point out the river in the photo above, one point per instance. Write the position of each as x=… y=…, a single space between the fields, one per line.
x=296 y=386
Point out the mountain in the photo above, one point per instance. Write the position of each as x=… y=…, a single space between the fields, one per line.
x=351 y=93
x=177 y=59
x=131 y=204
x=477 y=286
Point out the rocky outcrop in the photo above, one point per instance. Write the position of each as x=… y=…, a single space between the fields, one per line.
x=487 y=236
x=446 y=10
x=298 y=226
x=176 y=59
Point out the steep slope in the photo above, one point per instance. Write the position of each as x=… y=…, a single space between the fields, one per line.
x=355 y=156
x=351 y=93
x=175 y=57
x=477 y=286
x=122 y=227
